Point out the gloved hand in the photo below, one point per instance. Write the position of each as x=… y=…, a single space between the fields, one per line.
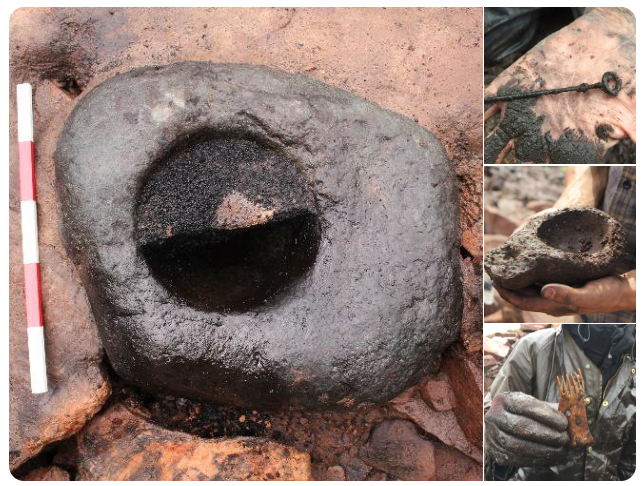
x=523 y=431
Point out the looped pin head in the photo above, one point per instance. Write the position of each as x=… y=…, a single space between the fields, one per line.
x=606 y=79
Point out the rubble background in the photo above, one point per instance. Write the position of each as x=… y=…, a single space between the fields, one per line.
x=497 y=346
x=422 y=63
x=512 y=194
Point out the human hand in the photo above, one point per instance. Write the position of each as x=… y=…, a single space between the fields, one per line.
x=608 y=294
x=523 y=431
x=568 y=128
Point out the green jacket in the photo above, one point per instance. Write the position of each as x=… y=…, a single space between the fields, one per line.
x=533 y=367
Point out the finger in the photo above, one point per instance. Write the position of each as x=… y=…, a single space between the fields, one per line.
x=524 y=299
x=562 y=294
x=491 y=111
x=510 y=450
x=522 y=404
x=530 y=291
x=630 y=131
x=510 y=146
x=529 y=429
x=495 y=146
x=536 y=303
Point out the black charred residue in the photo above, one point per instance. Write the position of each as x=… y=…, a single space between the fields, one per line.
x=604 y=130
x=522 y=124
x=203 y=419
x=225 y=269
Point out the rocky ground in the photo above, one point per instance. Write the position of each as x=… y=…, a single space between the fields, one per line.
x=512 y=194
x=498 y=346
x=422 y=63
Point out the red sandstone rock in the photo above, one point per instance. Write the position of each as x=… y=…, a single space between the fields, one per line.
x=490 y=346
x=490 y=242
x=120 y=446
x=451 y=465
x=442 y=425
x=356 y=470
x=335 y=473
x=438 y=392
x=472 y=322
x=472 y=240
x=51 y=473
x=466 y=378
x=498 y=223
x=489 y=360
x=397 y=448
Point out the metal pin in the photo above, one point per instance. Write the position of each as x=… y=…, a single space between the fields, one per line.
x=582 y=88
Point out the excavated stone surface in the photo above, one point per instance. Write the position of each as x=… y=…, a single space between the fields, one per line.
x=571 y=246
x=396 y=447
x=119 y=445
x=78 y=386
x=377 y=286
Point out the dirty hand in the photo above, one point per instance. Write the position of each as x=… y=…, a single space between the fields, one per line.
x=523 y=431
x=568 y=128
x=608 y=294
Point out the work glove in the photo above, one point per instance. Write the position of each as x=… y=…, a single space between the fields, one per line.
x=523 y=431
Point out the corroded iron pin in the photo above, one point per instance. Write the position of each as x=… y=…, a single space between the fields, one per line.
x=582 y=88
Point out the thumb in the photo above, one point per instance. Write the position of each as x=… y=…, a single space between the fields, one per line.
x=561 y=294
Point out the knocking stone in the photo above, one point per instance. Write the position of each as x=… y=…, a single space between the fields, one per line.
x=258 y=238
x=121 y=446
x=570 y=246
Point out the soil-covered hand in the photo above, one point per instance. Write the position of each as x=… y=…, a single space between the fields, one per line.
x=573 y=127
x=523 y=431
x=608 y=294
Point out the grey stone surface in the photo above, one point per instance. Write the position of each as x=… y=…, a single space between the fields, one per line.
x=378 y=295
x=570 y=246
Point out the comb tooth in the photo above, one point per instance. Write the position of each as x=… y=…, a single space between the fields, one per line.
x=582 y=387
x=561 y=393
x=575 y=382
x=581 y=380
x=570 y=392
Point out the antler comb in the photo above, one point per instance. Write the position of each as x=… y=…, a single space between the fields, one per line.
x=572 y=391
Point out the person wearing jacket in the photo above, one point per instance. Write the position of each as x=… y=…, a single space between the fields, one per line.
x=525 y=434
